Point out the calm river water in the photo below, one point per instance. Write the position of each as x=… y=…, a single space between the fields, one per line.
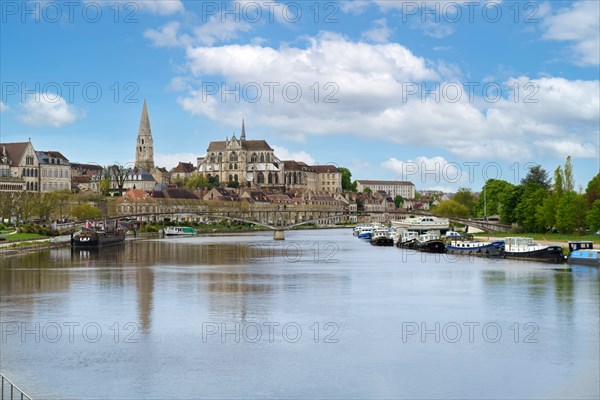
x=320 y=315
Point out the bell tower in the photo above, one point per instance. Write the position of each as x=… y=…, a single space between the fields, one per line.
x=144 y=151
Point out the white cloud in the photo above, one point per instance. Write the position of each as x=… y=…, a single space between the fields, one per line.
x=380 y=32
x=284 y=154
x=171 y=160
x=435 y=170
x=212 y=31
x=161 y=7
x=167 y=36
x=564 y=148
x=370 y=81
x=579 y=25
x=216 y=30
x=3 y=106
x=158 y=7
x=42 y=110
x=354 y=7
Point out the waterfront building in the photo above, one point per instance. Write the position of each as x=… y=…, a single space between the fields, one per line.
x=19 y=167
x=393 y=188
x=55 y=171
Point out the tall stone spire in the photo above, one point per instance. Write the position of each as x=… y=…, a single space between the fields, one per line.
x=144 y=152
x=243 y=135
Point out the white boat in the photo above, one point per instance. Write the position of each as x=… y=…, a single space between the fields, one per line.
x=422 y=224
x=381 y=237
x=179 y=231
x=402 y=237
x=366 y=232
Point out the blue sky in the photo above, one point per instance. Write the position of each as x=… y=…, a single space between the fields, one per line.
x=390 y=89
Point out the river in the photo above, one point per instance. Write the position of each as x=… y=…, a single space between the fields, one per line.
x=319 y=315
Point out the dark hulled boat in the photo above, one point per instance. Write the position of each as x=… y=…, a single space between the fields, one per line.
x=93 y=238
x=430 y=242
x=475 y=248
x=522 y=248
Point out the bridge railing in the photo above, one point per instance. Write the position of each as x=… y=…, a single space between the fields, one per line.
x=10 y=391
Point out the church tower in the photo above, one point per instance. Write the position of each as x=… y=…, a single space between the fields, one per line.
x=144 y=151
x=243 y=135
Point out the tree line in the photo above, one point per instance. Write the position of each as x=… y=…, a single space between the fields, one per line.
x=537 y=204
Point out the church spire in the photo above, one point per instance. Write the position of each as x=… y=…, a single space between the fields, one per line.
x=243 y=135
x=144 y=152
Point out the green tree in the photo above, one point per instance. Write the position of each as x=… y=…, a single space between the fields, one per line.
x=196 y=181
x=571 y=212
x=367 y=190
x=86 y=211
x=465 y=197
x=347 y=184
x=559 y=181
x=451 y=209
x=569 y=182
x=213 y=182
x=492 y=197
x=45 y=205
x=593 y=190
x=593 y=217
x=546 y=212
x=104 y=185
x=233 y=184
x=510 y=202
x=398 y=201
x=533 y=195
x=538 y=175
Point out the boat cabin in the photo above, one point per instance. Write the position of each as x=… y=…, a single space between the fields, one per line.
x=584 y=245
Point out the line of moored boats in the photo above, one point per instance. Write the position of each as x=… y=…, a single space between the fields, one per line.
x=433 y=235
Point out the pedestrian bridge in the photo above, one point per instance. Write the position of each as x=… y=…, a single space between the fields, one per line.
x=486 y=226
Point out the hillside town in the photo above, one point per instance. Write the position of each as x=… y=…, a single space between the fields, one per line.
x=235 y=170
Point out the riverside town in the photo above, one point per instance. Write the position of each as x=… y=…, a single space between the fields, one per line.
x=299 y=200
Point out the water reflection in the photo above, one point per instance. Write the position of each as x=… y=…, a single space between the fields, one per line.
x=171 y=287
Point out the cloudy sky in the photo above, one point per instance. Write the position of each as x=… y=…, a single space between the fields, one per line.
x=445 y=94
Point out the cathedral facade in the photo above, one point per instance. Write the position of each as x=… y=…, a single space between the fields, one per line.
x=247 y=163
x=253 y=164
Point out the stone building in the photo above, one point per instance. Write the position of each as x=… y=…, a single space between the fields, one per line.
x=144 y=152
x=249 y=163
x=55 y=171
x=299 y=175
x=253 y=164
x=19 y=167
x=182 y=170
x=393 y=188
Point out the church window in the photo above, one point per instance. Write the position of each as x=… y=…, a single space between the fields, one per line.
x=233 y=156
x=268 y=157
x=260 y=178
x=220 y=158
x=142 y=141
x=230 y=178
x=253 y=159
x=230 y=166
x=262 y=157
x=235 y=177
x=235 y=166
x=212 y=158
x=270 y=178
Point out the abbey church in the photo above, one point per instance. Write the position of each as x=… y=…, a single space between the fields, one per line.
x=244 y=163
